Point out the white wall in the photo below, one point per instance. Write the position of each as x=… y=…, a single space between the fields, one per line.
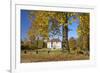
x=57 y=45
x=48 y=44
x=5 y=37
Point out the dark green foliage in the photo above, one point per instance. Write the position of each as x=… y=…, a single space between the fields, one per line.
x=44 y=45
x=25 y=47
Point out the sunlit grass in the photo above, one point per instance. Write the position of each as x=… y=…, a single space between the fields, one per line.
x=54 y=55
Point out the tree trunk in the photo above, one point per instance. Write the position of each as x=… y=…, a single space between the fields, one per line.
x=65 y=44
x=37 y=42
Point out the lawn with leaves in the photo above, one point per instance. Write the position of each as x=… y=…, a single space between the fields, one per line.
x=45 y=55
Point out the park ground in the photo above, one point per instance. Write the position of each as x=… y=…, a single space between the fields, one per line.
x=54 y=55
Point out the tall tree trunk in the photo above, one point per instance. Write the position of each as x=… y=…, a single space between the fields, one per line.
x=86 y=42
x=65 y=44
x=37 y=42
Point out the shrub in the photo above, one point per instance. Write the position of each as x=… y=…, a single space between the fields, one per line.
x=40 y=44
x=25 y=47
x=72 y=44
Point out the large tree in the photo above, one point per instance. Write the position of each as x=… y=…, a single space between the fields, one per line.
x=83 y=31
x=40 y=24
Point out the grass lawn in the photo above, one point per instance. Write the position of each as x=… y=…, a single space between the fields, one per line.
x=55 y=55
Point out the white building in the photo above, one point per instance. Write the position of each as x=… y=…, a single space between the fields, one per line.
x=54 y=44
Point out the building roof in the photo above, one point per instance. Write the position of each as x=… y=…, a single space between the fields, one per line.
x=54 y=40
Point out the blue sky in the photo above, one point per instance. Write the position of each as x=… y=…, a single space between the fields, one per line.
x=26 y=24
x=73 y=27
